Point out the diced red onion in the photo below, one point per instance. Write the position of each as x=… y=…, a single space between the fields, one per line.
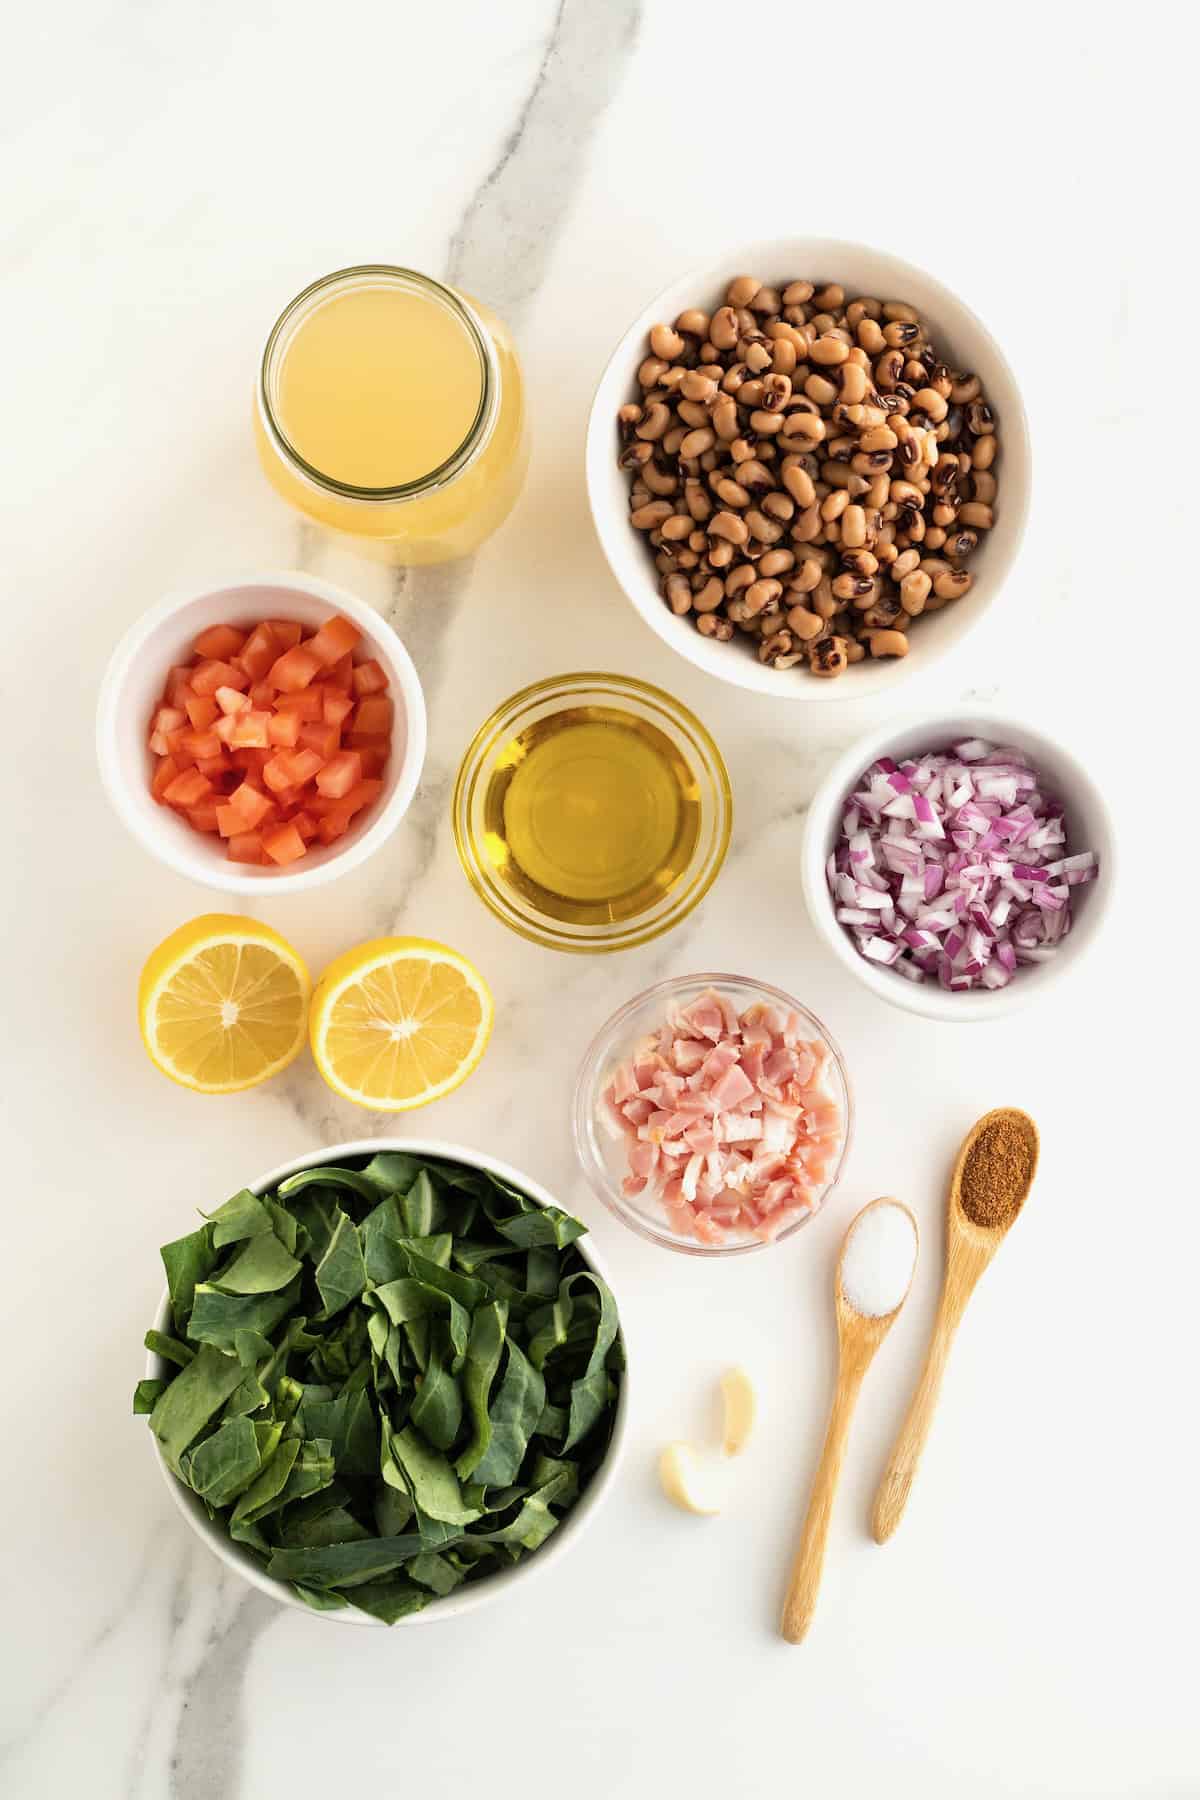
x=951 y=866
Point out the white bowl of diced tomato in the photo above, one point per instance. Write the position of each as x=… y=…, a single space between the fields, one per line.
x=268 y=733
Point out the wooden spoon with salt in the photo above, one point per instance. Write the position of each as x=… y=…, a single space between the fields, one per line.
x=991 y=1181
x=859 y=1337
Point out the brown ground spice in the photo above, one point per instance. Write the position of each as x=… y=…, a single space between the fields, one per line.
x=997 y=1173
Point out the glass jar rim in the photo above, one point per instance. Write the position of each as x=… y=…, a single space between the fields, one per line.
x=489 y=386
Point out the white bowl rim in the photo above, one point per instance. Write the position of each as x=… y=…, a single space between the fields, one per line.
x=474 y=1594
x=925 y=998
x=745 y=672
x=208 y=871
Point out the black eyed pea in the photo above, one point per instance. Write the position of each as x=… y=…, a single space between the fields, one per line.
x=983 y=484
x=709 y=353
x=634 y=455
x=798 y=481
x=977 y=515
x=751 y=391
x=830 y=298
x=928 y=401
x=899 y=309
x=754 y=474
x=708 y=462
x=696 y=539
x=964 y=389
x=758 y=358
x=877 y=492
x=734 y=376
x=853 y=587
x=952 y=586
x=659 y=481
x=666 y=343
x=708 y=597
x=652 y=515
x=808 y=576
x=819 y=324
x=797 y=293
x=783 y=357
x=672 y=439
x=651 y=371
x=915 y=373
x=693 y=322
x=779 y=506
x=820 y=389
x=731 y=493
x=719 y=553
x=677 y=590
x=691 y=413
x=724 y=418
x=829 y=351
x=677 y=527
x=901 y=332
x=760 y=594
x=729 y=525
x=764 y=422
x=628 y=416
x=854 y=651
x=834 y=505
x=935 y=537
x=742 y=576
x=696 y=386
x=888 y=643
x=983 y=454
x=980 y=422
x=766 y=530
x=838 y=475
x=697 y=442
x=869 y=463
x=904 y=564
x=804 y=624
x=654 y=422
x=723 y=329
x=776 y=562
x=766 y=302
x=854 y=527
x=870 y=336
x=888 y=370
x=741 y=290
x=696 y=500
x=827 y=657
x=883 y=613
x=880 y=437
x=805 y=427
x=962 y=543
x=713 y=626
x=854 y=383
x=776 y=392
x=825 y=602
x=747 y=324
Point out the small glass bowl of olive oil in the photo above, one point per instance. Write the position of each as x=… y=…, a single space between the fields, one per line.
x=592 y=812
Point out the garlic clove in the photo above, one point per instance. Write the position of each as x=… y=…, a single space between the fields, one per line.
x=690 y=1484
x=740 y=1406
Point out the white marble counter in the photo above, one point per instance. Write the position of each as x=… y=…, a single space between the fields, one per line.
x=171 y=175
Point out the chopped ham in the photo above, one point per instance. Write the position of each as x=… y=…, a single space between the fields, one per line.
x=726 y=1121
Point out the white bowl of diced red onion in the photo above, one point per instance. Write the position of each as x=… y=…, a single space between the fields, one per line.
x=712 y=1114
x=958 y=865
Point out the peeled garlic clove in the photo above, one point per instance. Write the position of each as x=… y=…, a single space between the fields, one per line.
x=738 y=1396
x=687 y=1483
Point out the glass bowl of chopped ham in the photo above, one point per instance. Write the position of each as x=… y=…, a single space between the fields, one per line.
x=712 y=1114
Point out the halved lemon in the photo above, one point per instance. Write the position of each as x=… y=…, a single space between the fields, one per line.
x=223 y=1004
x=398 y=1022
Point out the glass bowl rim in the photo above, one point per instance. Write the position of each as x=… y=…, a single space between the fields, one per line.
x=503 y=718
x=583 y=1108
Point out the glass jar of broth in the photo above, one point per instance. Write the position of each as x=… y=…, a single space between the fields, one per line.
x=390 y=408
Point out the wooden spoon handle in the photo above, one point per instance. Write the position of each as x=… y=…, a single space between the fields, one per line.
x=894 y=1488
x=805 y=1579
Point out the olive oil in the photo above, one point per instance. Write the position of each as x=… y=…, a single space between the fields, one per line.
x=592 y=814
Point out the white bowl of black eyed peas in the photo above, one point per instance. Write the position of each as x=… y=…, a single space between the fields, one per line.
x=809 y=468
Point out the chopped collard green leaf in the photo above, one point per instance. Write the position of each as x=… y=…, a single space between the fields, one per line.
x=385 y=1380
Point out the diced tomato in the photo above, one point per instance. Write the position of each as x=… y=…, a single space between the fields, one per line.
x=162 y=778
x=291 y=768
x=324 y=740
x=283 y=729
x=306 y=825
x=179 y=683
x=245 y=848
x=229 y=701
x=168 y=719
x=336 y=708
x=214 y=767
x=251 y=806
x=200 y=744
x=369 y=678
x=373 y=716
x=189 y=788
x=374 y=759
x=294 y=670
x=207 y=677
x=341 y=773
x=334 y=825
x=203 y=818
x=284 y=844
x=307 y=704
x=251 y=760
x=336 y=638
x=201 y=711
x=259 y=651
x=263 y=696
x=250 y=731
x=362 y=795
x=341 y=675
x=178 y=749
x=220 y=641
x=286 y=632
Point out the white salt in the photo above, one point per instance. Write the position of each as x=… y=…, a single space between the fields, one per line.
x=878 y=1259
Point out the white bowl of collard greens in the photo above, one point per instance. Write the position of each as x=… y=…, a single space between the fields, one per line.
x=386 y=1382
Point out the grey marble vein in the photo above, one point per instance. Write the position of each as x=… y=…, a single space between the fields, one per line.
x=207 y=1754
